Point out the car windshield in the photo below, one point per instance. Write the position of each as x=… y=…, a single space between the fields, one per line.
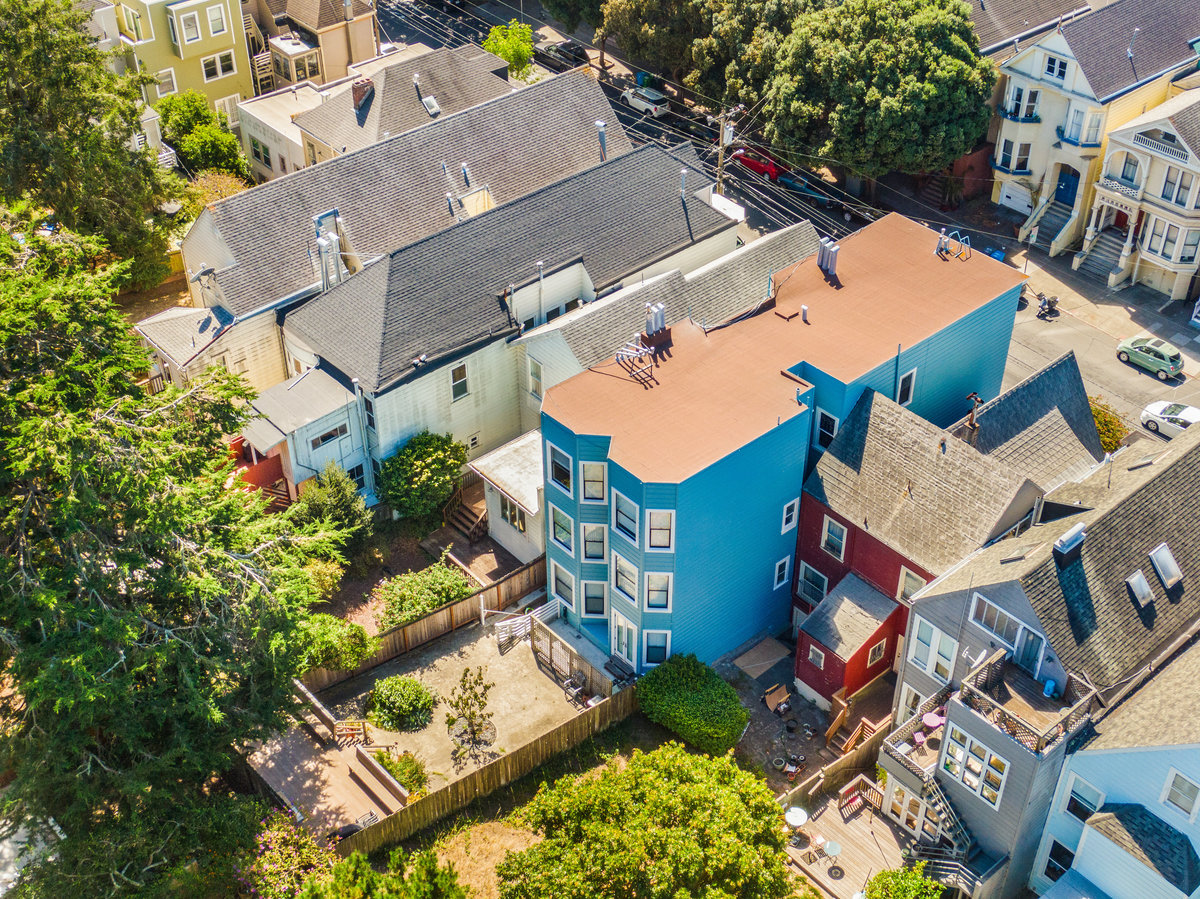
x=1174 y=409
x=653 y=96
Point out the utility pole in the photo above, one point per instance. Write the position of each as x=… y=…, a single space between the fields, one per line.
x=724 y=139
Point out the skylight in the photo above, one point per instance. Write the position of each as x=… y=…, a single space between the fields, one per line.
x=1140 y=588
x=1166 y=566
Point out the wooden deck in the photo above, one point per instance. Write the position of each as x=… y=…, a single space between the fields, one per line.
x=870 y=844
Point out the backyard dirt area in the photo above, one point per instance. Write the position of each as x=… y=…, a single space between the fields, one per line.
x=400 y=551
x=141 y=304
x=476 y=850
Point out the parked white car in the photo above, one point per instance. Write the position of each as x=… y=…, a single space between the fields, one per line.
x=646 y=100
x=1169 y=419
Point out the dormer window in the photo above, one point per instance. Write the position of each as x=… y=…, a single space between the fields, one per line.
x=1166 y=566
x=1056 y=68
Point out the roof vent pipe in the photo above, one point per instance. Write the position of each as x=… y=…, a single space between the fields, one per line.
x=804 y=314
x=660 y=317
x=450 y=202
x=348 y=6
x=603 y=140
x=417 y=82
x=682 y=183
x=1129 y=52
x=831 y=260
x=466 y=175
x=650 y=321
x=822 y=250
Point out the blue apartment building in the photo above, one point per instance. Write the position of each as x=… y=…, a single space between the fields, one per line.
x=673 y=476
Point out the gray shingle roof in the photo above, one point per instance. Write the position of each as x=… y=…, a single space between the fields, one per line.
x=1042 y=427
x=393 y=192
x=1165 y=711
x=999 y=21
x=1152 y=841
x=301 y=400
x=914 y=487
x=440 y=296
x=317 y=14
x=712 y=293
x=183 y=333
x=848 y=615
x=458 y=79
x=1100 y=42
x=1087 y=613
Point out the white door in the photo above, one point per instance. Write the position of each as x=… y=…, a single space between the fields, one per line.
x=624 y=639
x=1016 y=196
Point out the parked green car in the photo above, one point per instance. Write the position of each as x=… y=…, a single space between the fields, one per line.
x=1153 y=354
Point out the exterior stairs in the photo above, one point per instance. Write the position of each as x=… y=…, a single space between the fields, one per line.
x=264 y=75
x=947 y=864
x=933 y=193
x=1051 y=223
x=1104 y=255
x=468 y=522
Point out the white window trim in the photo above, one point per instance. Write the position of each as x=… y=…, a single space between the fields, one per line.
x=1066 y=797
x=779 y=582
x=934 y=641
x=466 y=381
x=574 y=604
x=183 y=33
x=803 y=567
x=660 y=549
x=614 y=618
x=669 y=607
x=219 y=76
x=583 y=526
x=1021 y=626
x=902 y=706
x=531 y=363
x=646 y=644
x=224 y=18
x=550 y=448
x=825 y=534
x=912 y=391
x=812 y=650
x=612 y=578
x=569 y=550
x=837 y=426
x=158 y=86
x=794 y=505
x=900 y=586
x=637 y=518
x=1171 y=774
x=882 y=647
x=582 y=497
x=583 y=613
x=978 y=791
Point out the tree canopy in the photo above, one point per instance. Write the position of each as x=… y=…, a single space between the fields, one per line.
x=659 y=32
x=332 y=496
x=201 y=135
x=668 y=824
x=904 y=883
x=67 y=125
x=513 y=43
x=418 y=877
x=420 y=478
x=573 y=12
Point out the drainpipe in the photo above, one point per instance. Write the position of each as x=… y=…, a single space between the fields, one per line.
x=896 y=376
x=368 y=471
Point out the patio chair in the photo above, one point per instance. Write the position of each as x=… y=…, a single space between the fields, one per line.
x=574 y=686
x=777 y=699
x=352 y=729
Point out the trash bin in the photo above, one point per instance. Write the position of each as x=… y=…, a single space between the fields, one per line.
x=643 y=79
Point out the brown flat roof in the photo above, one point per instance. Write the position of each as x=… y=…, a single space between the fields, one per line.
x=717 y=392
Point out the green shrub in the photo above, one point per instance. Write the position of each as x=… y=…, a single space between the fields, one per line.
x=420 y=478
x=332 y=496
x=408 y=770
x=288 y=857
x=688 y=698
x=401 y=703
x=415 y=594
x=330 y=642
x=324 y=576
x=1109 y=424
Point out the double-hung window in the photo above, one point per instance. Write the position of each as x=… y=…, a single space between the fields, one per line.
x=791 y=514
x=595 y=489
x=833 y=539
x=189 y=24
x=216 y=20
x=904 y=392
x=782 y=569
x=535 y=377
x=1059 y=859
x=660 y=530
x=358 y=476
x=625 y=516
x=975 y=766
x=560 y=469
x=1170 y=239
x=827 y=428
x=595 y=599
x=1075 y=129
x=1006 y=152
x=909 y=583
x=1014 y=101
x=1181 y=793
x=218 y=66
x=1153 y=241
x=1191 y=241
x=1023 y=157
x=166 y=82
x=931 y=650
x=658 y=646
x=369 y=409
x=564 y=585
x=1031 y=102
x=1093 y=129
x=1129 y=169
x=594 y=540
x=625 y=578
x=658 y=591
x=813 y=584
x=563 y=529
x=1183 y=187
x=1084 y=799
x=458 y=382
x=512 y=513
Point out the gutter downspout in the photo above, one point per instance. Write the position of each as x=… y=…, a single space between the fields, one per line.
x=368 y=470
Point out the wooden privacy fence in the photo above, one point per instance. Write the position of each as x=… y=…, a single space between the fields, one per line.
x=457 y=795
x=399 y=640
x=832 y=777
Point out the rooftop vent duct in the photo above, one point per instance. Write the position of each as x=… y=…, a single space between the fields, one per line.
x=823 y=252
x=831 y=260
x=1068 y=547
x=603 y=140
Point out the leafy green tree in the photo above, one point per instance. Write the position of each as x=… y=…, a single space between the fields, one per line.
x=513 y=43
x=421 y=477
x=149 y=615
x=468 y=705
x=574 y=12
x=333 y=496
x=208 y=187
x=288 y=858
x=67 y=124
x=420 y=877
x=904 y=883
x=667 y=824
x=414 y=594
x=401 y=703
x=214 y=147
x=657 y=32
x=881 y=85
x=181 y=113
x=330 y=642
x=1109 y=424
x=691 y=699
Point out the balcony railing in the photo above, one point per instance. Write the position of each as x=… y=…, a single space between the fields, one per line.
x=1074 y=141
x=1009 y=169
x=976 y=694
x=1014 y=115
x=1127 y=189
x=1161 y=147
x=903 y=735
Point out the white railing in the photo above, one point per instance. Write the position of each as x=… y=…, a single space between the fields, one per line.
x=517 y=627
x=1161 y=147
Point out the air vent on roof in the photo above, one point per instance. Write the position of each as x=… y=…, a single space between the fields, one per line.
x=1140 y=588
x=1166 y=566
x=1068 y=547
x=431 y=105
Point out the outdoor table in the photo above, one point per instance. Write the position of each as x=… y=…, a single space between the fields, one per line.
x=832 y=849
x=932 y=720
x=796 y=816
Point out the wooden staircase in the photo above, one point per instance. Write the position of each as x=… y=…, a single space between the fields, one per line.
x=278 y=495
x=933 y=193
x=264 y=75
x=464 y=518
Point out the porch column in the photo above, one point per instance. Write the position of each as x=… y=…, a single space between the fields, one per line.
x=1128 y=248
x=1091 y=228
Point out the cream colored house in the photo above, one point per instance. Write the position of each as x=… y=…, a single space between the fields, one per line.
x=309 y=40
x=1066 y=92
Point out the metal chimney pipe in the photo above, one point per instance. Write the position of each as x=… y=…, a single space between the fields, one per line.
x=831 y=260
x=822 y=253
x=603 y=140
x=651 y=319
x=450 y=202
x=348 y=8
x=804 y=314
x=682 y=184
x=466 y=175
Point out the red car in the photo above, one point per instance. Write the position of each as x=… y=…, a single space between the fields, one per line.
x=758 y=161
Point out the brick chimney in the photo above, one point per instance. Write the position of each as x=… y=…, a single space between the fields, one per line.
x=361 y=90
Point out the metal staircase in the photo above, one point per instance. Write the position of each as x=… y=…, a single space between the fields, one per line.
x=952 y=825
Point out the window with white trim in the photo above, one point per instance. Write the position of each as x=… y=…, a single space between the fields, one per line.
x=827 y=428
x=1084 y=800
x=458 y=382
x=624 y=638
x=657 y=646
x=1177 y=186
x=876 y=652
x=1058 y=860
x=660 y=530
x=595 y=599
x=813 y=584
x=782 y=569
x=975 y=766
x=1181 y=793
x=816 y=658
x=218 y=66
x=1093 y=129
x=560 y=469
x=329 y=436
x=595 y=484
x=625 y=516
x=564 y=585
x=931 y=650
x=904 y=391
x=216 y=20
x=562 y=529
x=1191 y=240
x=910 y=702
x=595 y=540
x=910 y=583
x=658 y=591
x=833 y=538
x=535 y=377
x=512 y=513
x=791 y=515
x=189 y=24
x=1056 y=68
x=995 y=620
x=625 y=578
x=166 y=82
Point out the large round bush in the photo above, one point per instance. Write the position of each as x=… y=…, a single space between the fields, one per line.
x=401 y=703
x=686 y=696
